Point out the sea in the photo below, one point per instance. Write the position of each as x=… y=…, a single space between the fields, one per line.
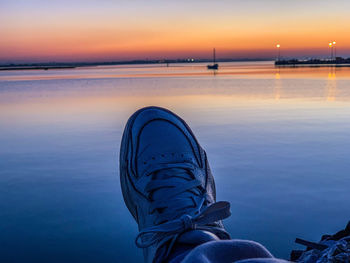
x=277 y=140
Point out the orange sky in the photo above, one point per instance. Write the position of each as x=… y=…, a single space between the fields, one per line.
x=77 y=30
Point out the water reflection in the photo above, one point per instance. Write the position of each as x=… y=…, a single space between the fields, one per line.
x=279 y=151
x=278 y=84
x=331 y=85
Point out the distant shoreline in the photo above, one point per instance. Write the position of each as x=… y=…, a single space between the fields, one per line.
x=70 y=65
x=337 y=62
x=35 y=67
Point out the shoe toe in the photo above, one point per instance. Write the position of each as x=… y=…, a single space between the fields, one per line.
x=162 y=139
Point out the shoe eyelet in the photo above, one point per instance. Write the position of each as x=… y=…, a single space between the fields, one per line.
x=153 y=158
x=144 y=162
x=182 y=155
x=162 y=155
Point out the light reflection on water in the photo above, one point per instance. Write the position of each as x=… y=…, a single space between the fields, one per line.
x=277 y=141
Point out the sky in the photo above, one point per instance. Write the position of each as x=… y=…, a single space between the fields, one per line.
x=109 y=30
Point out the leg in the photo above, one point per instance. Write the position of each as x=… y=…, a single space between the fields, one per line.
x=227 y=251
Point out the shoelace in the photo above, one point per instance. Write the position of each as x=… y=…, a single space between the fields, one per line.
x=176 y=190
x=173 y=195
x=213 y=213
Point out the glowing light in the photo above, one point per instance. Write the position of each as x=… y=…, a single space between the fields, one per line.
x=334 y=42
x=330 y=44
x=278 y=45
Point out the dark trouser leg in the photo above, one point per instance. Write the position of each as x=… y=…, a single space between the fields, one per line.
x=227 y=251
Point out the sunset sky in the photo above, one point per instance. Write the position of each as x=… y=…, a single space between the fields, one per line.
x=106 y=30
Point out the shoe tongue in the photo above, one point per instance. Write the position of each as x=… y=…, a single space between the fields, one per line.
x=166 y=174
x=196 y=237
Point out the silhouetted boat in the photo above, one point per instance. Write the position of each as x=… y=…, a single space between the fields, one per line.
x=214 y=65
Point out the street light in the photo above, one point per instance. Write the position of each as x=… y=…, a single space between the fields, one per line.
x=278 y=52
x=335 y=49
x=331 y=47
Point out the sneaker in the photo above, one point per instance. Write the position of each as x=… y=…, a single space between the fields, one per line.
x=167 y=184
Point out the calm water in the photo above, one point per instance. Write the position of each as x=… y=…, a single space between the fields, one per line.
x=278 y=142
